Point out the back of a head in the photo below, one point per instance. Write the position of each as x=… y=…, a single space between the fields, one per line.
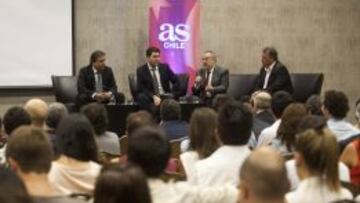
x=97 y=115
x=56 y=112
x=170 y=110
x=264 y=173
x=12 y=189
x=203 y=124
x=262 y=100
x=313 y=104
x=15 y=117
x=30 y=148
x=311 y=122
x=121 y=183
x=290 y=120
x=235 y=123
x=280 y=101
x=150 y=149
x=319 y=150
x=37 y=110
x=220 y=100
x=75 y=139
x=137 y=120
x=336 y=103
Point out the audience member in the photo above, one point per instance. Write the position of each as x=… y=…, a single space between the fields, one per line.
x=261 y=103
x=149 y=148
x=357 y=114
x=76 y=170
x=126 y=183
x=137 y=120
x=279 y=102
x=263 y=178
x=313 y=104
x=317 y=165
x=221 y=167
x=13 y=118
x=12 y=189
x=171 y=123
x=318 y=123
x=107 y=141
x=203 y=139
x=335 y=107
x=57 y=111
x=29 y=154
x=220 y=99
x=285 y=139
x=38 y=111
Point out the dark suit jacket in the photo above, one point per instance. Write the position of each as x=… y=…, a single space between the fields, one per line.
x=265 y=116
x=279 y=79
x=219 y=80
x=175 y=129
x=145 y=80
x=86 y=81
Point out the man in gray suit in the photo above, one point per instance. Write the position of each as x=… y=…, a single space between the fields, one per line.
x=211 y=79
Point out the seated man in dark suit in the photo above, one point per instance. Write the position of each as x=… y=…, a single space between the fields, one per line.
x=171 y=123
x=273 y=76
x=96 y=82
x=153 y=81
x=211 y=79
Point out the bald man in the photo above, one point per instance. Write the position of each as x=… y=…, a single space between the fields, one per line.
x=263 y=178
x=38 y=111
x=211 y=79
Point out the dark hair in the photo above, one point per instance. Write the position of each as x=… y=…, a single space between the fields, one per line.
x=336 y=103
x=311 y=122
x=12 y=189
x=15 y=117
x=170 y=110
x=151 y=50
x=235 y=123
x=56 y=112
x=203 y=123
x=290 y=120
x=220 y=100
x=121 y=183
x=272 y=52
x=313 y=104
x=279 y=102
x=31 y=149
x=95 y=55
x=137 y=120
x=150 y=149
x=357 y=102
x=75 y=139
x=97 y=115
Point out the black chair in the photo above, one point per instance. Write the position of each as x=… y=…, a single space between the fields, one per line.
x=132 y=85
x=65 y=90
x=241 y=85
x=306 y=84
x=184 y=81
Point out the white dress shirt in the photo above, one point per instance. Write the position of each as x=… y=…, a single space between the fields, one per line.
x=188 y=160
x=311 y=190
x=210 y=76
x=158 y=78
x=268 y=73
x=222 y=167
x=183 y=192
x=268 y=134
x=344 y=173
x=342 y=129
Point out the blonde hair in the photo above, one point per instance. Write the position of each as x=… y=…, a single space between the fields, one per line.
x=320 y=152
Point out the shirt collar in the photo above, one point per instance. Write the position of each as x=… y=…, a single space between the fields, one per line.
x=150 y=68
x=270 y=67
x=95 y=71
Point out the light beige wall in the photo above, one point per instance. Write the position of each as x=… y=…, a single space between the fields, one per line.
x=310 y=35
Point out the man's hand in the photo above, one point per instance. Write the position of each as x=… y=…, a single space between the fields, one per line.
x=107 y=95
x=209 y=88
x=99 y=97
x=157 y=100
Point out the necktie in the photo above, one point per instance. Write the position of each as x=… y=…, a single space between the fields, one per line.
x=155 y=81
x=99 y=85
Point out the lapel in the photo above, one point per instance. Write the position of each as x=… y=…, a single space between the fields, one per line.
x=91 y=76
x=215 y=75
x=273 y=73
